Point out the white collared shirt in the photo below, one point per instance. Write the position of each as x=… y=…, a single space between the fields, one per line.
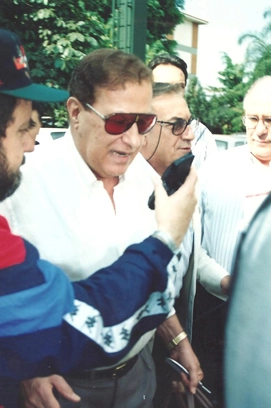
x=67 y=214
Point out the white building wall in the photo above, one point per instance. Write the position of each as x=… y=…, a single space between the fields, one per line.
x=186 y=35
x=183 y=33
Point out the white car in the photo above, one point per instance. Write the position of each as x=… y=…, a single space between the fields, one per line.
x=224 y=142
x=48 y=135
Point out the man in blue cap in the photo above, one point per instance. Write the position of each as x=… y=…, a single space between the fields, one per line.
x=15 y=77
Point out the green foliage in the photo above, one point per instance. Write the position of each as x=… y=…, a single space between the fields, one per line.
x=223 y=105
x=222 y=110
x=196 y=100
x=58 y=33
x=163 y=16
x=161 y=46
x=258 y=52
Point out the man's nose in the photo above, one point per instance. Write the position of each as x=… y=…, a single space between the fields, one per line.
x=261 y=128
x=188 y=134
x=132 y=136
x=28 y=142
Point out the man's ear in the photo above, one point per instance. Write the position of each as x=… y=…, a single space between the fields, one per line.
x=74 y=107
x=145 y=147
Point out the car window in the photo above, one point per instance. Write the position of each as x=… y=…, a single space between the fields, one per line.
x=239 y=143
x=221 y=145
x=57 y=134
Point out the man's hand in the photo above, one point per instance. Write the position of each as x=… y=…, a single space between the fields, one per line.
x=38 y=392
x=225 y=284
x=174 y=213
x=184 y=354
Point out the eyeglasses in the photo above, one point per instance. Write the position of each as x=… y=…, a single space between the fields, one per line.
x=251 y=122
x=118 y=123
x=180 y=125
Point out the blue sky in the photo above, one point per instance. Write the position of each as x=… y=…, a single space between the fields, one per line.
x=227 y=20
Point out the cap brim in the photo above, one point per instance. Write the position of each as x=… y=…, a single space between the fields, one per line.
x=40 y=93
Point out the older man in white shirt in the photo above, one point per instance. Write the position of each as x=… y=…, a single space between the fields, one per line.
x=87 y=198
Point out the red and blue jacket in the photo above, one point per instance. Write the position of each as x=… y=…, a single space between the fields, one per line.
x=49 y=325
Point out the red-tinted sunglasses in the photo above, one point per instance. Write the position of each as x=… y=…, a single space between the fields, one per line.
x=118 y=123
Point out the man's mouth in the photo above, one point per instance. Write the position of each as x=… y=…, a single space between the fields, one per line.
x=122 y=154
x=263 y=142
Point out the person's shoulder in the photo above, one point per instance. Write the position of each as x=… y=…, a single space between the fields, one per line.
x=223 y=156
x=223 y=162
x=12 y=250
x=203 y=127
x=202 y=131
x=45 y=159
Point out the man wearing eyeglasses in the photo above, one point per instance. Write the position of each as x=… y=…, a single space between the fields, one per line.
x=83 y=201
x=235 y=182
x=233 y=185
x=172 y=69
x=170 y=139
x=161 y=148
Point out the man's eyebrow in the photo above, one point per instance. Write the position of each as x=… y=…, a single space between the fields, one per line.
x=175 y=118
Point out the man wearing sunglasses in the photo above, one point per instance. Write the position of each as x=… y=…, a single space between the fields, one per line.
x=170 y=139
x=168 y=68
x=84 y=200
x=42 y=326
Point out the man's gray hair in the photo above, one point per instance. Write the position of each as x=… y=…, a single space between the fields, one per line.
x=162 y=88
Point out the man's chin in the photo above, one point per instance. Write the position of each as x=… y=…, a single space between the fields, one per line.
x=9 y=185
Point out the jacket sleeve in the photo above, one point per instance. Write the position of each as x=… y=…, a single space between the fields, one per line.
x=104 y=316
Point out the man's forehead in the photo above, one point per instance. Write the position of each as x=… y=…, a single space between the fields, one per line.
x=168 y=73
x=22 y=111
x=256 y=103
x=260 y=95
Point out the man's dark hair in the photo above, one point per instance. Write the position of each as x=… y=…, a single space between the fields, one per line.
x=106 y=68
x=165 y=59
x=7 y=106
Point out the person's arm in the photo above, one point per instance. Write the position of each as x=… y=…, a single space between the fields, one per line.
x=212 y=276
x=182 y=352
x=87 y=346
x=92 y=307
x=46 y=294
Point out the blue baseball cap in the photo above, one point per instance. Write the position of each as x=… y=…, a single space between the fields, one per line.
x=15 y=77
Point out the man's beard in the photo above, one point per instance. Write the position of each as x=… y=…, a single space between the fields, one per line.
x=9 y=180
